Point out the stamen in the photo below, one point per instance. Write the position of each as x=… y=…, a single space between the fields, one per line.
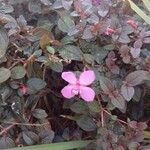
x=75 y=91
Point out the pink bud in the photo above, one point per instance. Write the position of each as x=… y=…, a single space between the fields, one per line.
x=109 y=31
x=23 y=89
x=132 y=24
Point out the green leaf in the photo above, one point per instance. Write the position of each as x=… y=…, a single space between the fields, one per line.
x=68 y=40
x=4 y=74
x=37 y=53
x=114 y=118
x=109 y=47
x=55 y=66
x=86 y=123
x=34 y=6
x=89 y=58
x=99 y=55
x=139 y=12
x=71 y=52
x=57 y=146
x=79 y=107
x=147 y=4
x=94 y=106
x=35 y=84
x=18 y=72
x=4 y=41
x=65 y=24
x=106 y=85
x=50 y=49
x=5 y=93
x=39 y=113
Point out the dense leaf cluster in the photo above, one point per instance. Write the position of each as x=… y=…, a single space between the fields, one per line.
x=39 y=39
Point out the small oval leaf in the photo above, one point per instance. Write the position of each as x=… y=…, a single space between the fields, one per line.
x=18 y=72
x=4 y=40
x=106 y=85
x=127 y=92
x=86 y=123
x=136 y=77
x=4 y=74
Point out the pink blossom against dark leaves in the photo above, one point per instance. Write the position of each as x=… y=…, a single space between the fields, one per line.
x=79 y=86
x=104 y=35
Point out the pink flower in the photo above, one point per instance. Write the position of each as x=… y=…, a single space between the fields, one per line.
x=79 y=86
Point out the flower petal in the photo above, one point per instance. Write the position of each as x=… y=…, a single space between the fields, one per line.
x=67 y=91
x=87 y=93
x=87 y=77
x=69 y=77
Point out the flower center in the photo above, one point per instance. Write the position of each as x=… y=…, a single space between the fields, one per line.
x=77 y=83
x=75 y=91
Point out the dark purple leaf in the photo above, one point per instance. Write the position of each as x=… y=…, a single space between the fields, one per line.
x=124 y=51
x=127 y=92
x=138 y=44
x=137 y=125
x=30 y=137
x=67 y=4
x=86 y=123
x=4 y=41
x=103 y=9
x=117 y=100
x=93 y=19
x=4 y=8
x=123 y=38
x=57 y=4
x=135 y=52
x=106 y=85
x=136 y=77
x=46 y=2
x=39 y=113
x=6 y=142
x=146 y=40
x=87 y=34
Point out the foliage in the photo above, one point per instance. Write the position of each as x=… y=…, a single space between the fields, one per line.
x=101 y=48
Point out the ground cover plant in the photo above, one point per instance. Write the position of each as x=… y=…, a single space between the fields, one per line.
x=75 y=74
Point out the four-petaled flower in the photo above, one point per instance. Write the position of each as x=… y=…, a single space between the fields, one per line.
x=79 y=86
